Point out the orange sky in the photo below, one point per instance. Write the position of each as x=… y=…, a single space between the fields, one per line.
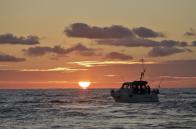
x=50 y=44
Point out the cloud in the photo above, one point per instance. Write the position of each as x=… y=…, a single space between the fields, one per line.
x=9 y=58
x=82 y=50
x=110 y=75
x=170 y=43
x=147 y=33
x=11 y=39
x=102 y=63
x=140 y=42
x=63 y=69
x=118 y=35
x=191 y=32
x=128 y=42
x=82 y=30
x=40 y=51
x=178 y=78
x=58 y=50
x=194 y=43
x=166 y=51
x=117 y=56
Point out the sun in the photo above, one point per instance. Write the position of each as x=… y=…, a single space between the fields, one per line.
x=84 y=84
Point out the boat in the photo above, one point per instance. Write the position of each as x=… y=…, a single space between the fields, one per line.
x=136 y=91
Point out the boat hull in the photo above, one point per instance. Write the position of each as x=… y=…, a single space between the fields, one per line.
x=135 y=98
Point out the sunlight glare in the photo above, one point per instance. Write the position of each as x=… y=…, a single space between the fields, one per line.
x=84 y=85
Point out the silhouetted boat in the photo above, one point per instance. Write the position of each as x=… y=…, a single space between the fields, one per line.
x=136 y=91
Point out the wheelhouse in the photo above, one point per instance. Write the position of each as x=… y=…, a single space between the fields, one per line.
x=133 y=84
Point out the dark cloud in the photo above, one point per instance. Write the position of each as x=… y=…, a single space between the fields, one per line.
x=191 y=32
x=82 y=50
x=118 y=56
x=11 y=39
x=82 y=30
x=40 y=51
x=9 y=58
x=194 y=43
x=140 y=42
x=166 y=51
x=79 y=47
x=147 y=33
x=117 y=35
x=129 y=42
x=171 y=43
x=58 y=50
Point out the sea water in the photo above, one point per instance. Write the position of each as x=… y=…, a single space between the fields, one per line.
x=94 y=109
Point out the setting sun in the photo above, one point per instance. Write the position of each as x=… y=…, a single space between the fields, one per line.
x=84 y=84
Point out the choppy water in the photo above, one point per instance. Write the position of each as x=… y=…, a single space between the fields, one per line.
x=94 y=109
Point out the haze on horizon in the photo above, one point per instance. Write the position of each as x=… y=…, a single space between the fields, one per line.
x=56 y=44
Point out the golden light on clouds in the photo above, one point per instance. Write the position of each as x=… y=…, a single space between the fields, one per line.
x=103 y=63
x=56 y=69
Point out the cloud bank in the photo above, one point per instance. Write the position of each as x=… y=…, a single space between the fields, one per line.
x=166 y=51
x=9 y=58
x=82 y=30
x=11 y=39
x=147 y=33
x=117 y=56
x=118 y=35
x=140 y=42
x=58 y=50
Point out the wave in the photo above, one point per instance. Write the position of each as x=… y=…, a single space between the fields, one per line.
x=59 y=101
x=94 y=109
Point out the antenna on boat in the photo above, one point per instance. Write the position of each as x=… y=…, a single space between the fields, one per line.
x=159 y=86
x=143 y=68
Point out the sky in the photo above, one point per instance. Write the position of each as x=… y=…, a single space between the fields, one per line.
x=57 y=43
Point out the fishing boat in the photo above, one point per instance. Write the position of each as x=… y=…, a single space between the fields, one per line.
x=136 y=91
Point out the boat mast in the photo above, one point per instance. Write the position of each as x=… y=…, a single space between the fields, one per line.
x=144 y=70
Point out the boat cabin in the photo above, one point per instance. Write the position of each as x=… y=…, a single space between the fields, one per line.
x=134 y=84
x=137 y=87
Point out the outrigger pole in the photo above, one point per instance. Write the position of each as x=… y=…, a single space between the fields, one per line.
x=144 y=70
x=159 y=86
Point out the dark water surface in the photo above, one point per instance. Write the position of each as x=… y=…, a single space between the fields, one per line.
x=94 y=109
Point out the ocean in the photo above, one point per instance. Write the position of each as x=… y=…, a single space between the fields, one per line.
x=94 y=109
